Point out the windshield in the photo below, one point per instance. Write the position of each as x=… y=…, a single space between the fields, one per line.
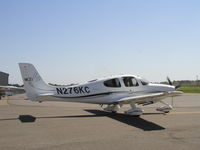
x=144 y=81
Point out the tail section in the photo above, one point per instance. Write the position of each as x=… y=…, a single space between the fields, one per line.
x=33 y=83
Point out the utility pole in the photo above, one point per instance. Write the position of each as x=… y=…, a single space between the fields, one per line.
x=197 y=81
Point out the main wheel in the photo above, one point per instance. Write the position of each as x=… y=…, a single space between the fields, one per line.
x=166 y=112
x=136 y=116
x=114 y=112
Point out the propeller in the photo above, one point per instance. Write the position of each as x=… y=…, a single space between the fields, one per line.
x=170 y=83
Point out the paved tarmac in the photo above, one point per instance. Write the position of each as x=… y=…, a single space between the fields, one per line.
x=73 y=126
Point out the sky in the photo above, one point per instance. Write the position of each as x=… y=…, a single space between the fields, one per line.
x=72 y=41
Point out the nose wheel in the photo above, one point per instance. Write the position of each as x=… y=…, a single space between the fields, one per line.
x=166 y=108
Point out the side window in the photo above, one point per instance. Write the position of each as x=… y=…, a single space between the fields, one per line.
x=112 y=83
x=127 y=81
x=135 y=83
x=130 y=81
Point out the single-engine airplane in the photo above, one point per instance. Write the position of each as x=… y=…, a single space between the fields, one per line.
x=114 y=91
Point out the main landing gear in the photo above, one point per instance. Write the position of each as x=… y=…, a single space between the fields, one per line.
x=134 y=111
x=112 y=108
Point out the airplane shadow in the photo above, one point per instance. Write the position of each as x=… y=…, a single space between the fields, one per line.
x=126 y=119
x=129 y=120
x=22 y=118
x=30 y=118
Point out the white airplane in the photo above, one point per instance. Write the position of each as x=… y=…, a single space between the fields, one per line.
x=113 y=91
x=10 y=90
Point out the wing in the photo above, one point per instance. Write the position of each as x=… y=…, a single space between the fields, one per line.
x=2 y=89
x=14 y=90
x=148 y=98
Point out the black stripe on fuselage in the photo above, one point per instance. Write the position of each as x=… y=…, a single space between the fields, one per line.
x=93 y=95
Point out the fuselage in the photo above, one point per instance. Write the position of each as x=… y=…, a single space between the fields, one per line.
x=105 y=91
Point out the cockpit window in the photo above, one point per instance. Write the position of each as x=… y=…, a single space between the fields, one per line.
x=112 y=83
x=130 y=81
x=144 y=81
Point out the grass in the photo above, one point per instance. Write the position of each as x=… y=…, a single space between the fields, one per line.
x=190 y=89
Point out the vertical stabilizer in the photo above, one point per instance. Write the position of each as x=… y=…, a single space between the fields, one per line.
x=33 y=83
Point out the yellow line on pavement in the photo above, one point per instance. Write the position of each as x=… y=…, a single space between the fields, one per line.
x=174 y=113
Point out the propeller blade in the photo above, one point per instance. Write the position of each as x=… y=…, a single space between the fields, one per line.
x=169 y=81
x=177 y=86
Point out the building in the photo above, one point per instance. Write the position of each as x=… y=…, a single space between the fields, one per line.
x=3 y=78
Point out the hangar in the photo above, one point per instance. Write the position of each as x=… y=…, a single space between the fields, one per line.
x=3 y=78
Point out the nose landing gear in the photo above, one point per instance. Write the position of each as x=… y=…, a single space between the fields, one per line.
x=166 y=108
